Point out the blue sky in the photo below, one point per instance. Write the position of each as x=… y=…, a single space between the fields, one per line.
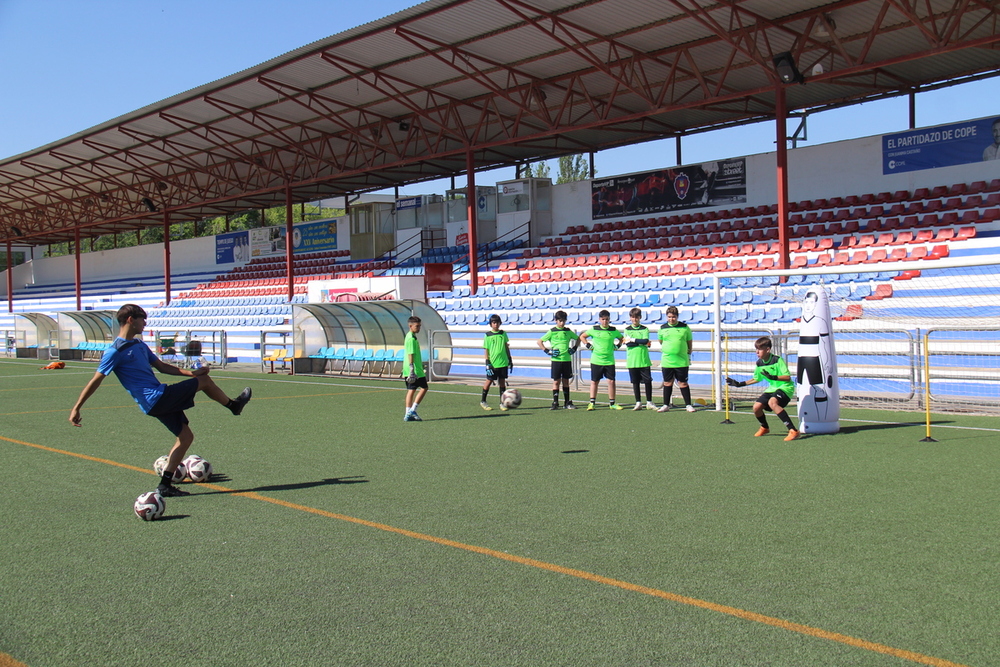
x=73 y=64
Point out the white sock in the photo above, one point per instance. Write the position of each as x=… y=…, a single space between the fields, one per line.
x=414 y=408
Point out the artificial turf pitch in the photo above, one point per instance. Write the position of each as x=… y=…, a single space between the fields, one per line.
x=336 y=534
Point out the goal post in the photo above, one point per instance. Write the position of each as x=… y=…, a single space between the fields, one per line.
x=894 y=324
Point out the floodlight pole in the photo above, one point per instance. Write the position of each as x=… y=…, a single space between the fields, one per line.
x=288 y=242
x=166 y=258
x=470 y=196
x=76 y=268
x=780 y=114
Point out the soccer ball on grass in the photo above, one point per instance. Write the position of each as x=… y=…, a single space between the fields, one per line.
x=149 y=506
x=197 y=468
x=161 y=463
x=510 y=399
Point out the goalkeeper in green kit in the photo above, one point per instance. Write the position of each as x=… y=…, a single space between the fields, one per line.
x=603 y=339
x=780 y=388
x=562 y=346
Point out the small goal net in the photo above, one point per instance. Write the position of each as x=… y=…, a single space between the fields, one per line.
x=906 y=338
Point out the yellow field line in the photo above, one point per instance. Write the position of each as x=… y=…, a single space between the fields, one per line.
x=7 y=661
x=551 y=567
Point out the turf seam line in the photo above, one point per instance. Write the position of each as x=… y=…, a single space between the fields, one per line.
x=550 y=567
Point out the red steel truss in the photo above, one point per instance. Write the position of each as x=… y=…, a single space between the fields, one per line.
x=427 y=92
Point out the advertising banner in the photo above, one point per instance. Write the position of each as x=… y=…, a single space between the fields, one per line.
x=941 y=146
x=315 y=236
x=232 y=248
x=694 y=186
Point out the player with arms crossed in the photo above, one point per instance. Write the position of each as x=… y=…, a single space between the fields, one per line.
x=780 y=388
x=132 y=362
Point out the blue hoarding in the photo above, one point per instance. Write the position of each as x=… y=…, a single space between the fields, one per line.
x=233 y=247
x=941 y=146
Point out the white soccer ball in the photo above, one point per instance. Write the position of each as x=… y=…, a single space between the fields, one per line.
x=161 y=463
x=510 y=399
x=198 y=469
x=149 y=506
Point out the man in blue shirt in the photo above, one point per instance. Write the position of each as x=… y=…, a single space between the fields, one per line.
x=132 y=362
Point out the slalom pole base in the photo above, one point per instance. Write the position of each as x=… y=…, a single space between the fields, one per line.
x=928 y=439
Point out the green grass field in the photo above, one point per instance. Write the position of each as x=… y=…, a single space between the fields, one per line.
x=336 y=534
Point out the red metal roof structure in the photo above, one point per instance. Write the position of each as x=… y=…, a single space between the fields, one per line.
x=410 y=97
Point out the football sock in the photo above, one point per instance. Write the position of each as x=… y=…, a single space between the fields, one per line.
x=413 y=408
x=555 y=395
x=785 y=419
x=649 y=392
x=166 y=479
x=593 y=400
x=566 y=394
x=686 y=395
x=485 y=394
x=667 y=392
x=637 y=392
x=763 y=421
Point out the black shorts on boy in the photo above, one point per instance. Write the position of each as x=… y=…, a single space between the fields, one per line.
x=598 y=371
x=679 y=374
x=562 y=370
x=418 y=383
x=170 y=407
x=765 y=399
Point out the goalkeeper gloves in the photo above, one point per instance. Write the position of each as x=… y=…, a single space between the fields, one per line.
x=735 y=383
x=589 y=346
x=548 y=351
x=573 y=349
x=490 y=373
x=769 y=376
x=510 y=366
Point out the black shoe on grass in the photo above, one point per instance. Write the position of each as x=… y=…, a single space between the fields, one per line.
x=240 y=401
x=171 y=492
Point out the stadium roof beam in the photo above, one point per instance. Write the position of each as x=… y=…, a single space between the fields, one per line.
x=514 y=80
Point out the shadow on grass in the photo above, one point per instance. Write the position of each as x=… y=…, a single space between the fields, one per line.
x=575 y=451
x=329 y=481
x=878 y=427
x=171 y=517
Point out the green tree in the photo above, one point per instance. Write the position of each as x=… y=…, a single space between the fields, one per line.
x=573 y=168
x=536 y=170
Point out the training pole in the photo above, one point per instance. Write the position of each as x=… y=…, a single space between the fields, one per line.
x=927 y=387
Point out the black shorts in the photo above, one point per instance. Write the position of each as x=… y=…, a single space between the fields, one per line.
x=498 y=374
x=418 y=383
x=598 y=371
x=675 y=374
x=562 y=370
x=640 y=375
x=765 y=399
x=176 y=398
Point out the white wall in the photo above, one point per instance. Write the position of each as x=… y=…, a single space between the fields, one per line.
x=135 y=263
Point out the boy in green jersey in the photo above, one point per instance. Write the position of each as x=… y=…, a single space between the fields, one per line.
x=562 y=346
x=780 y=388
x=637 y=359
x=675 y=358
x=413 y=371
x=603 y=339
x=496 y=346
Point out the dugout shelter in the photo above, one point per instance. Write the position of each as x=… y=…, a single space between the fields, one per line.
x=365 y=337
x=82 y=333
